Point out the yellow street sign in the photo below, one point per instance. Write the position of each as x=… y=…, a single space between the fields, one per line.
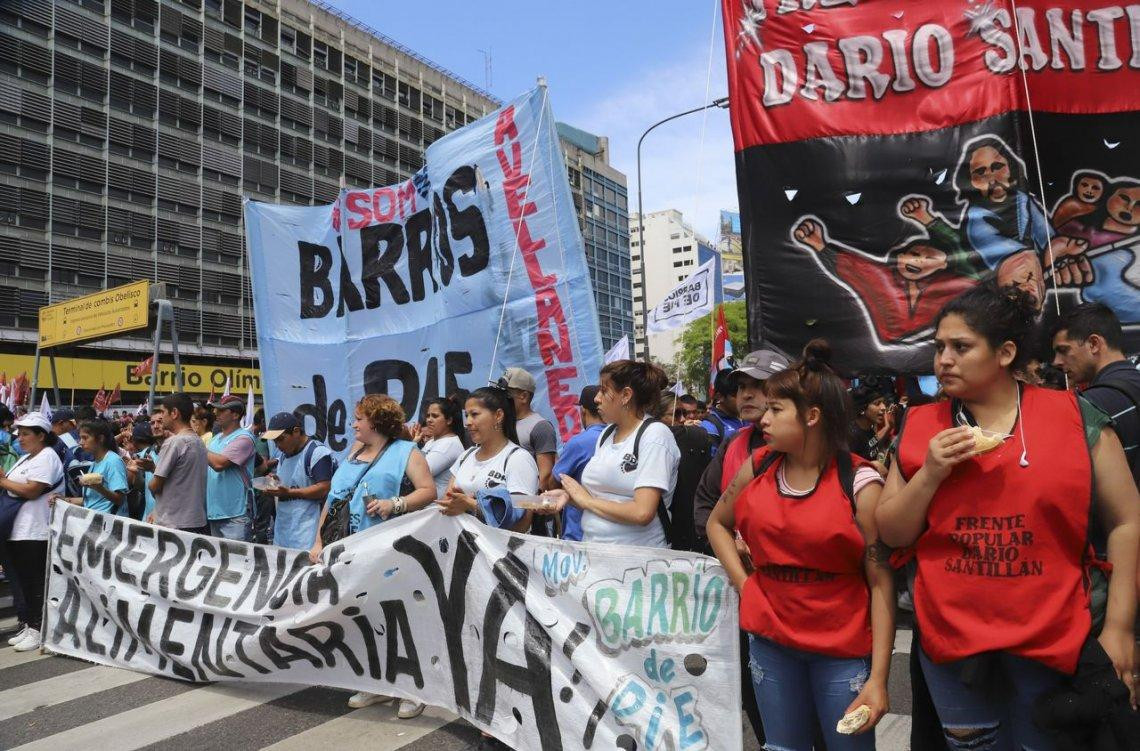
x=91 y=374
x=96 y=316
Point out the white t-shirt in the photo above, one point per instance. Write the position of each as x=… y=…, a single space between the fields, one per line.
x=441 y=453
x=472 y=475
x=608 y=475
x=32 y=518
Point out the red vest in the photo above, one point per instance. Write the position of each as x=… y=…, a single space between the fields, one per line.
x=1001 y=563
x=808 y=590
x=735 y=455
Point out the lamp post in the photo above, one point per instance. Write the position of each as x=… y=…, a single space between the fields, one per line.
x=722 y=103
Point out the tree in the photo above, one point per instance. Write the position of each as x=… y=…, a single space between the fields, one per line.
x=696 y=345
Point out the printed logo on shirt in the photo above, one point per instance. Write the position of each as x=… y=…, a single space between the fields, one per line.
x=494 y=479
x=629 y=463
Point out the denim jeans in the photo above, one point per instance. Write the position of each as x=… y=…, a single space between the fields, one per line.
x=792 y=685
x=1001 y=710
x=235 y=528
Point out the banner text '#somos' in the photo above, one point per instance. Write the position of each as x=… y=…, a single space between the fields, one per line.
x=553 y=333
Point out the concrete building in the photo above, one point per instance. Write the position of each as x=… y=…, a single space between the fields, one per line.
x=131 y=129
x=670 y=251
x=601 y=201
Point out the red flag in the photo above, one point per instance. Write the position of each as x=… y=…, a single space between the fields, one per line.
x=116 y=397
x=20 y=388
x=100 y=401
x=146 y=367
x=720 y=337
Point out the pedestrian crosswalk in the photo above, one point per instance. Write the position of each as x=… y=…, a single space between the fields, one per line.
x=52 y=703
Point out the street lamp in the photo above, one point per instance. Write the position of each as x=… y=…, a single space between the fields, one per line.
x=722 y=103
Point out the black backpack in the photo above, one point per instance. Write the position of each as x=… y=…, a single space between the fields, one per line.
x=662 y=511
x=846 y=468
x=1131 y=392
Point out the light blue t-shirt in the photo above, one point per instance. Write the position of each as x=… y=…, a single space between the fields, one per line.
x=114 y=473
x=382 y=481
x=296 y=522
x=150 y=452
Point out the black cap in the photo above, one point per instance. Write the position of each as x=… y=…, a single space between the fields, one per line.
x=588 y=399
x=141 y=432
x=280 y=423
x=63 y=413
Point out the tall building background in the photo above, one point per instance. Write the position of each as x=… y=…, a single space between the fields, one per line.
x=601 y=201
x=130 y=130
x=668 y=253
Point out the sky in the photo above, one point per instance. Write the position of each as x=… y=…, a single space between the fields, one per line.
x=613 y=68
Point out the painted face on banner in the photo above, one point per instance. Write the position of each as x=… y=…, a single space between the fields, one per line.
x=990 y=174
x=920 y=261
x=1090 y=189
x=1124 y=206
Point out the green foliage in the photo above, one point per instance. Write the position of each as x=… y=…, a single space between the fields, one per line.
x=696 y=345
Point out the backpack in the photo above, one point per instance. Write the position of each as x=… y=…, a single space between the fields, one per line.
x=719 y=425
x=310 y=449
x=763 y=461
x=662 y=512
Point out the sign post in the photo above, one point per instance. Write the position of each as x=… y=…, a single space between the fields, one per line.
x=102 y=315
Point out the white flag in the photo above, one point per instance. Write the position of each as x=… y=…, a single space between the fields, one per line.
x=678 y=388
x=620 y=351
x=227 y=391
x=247 y=418
x=45 y=408
x=688 y=301
x=141 y=410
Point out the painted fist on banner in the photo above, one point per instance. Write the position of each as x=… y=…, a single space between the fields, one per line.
x=810 y=232
x=917 y=208
x=1071 y=267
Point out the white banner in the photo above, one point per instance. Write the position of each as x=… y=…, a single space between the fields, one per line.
x=433 y=286
x=688 y=301
x=620 y=351
x=545 y=644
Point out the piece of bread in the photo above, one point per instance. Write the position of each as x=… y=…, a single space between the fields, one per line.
x=90 y=478
x=984 y=441
x=854 y=720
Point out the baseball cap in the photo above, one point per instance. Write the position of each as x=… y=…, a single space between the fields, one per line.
x=141 y=432
x=517 y=378
x=587 y=399
x=34 y=420
x=762 y=364
x=61 y=414
x=279 y=424
x=231 y=402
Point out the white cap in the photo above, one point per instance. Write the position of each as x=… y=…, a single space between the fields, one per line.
x=34 y=420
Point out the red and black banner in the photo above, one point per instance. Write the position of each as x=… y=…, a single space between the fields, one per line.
x=892 y=154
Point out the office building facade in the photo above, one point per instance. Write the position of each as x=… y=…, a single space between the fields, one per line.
x=601 y=202
x=130 y=130
x=668 y=253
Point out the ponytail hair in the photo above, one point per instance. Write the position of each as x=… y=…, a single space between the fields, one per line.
x=494 y=398
x=646 y=380
x=452 y=412
x=811 y=382
x=999 y=315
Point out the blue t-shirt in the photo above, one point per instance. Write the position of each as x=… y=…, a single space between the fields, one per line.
x=731 y=425
x=576 y=454
x=150 y=452
x=296 y=523
x=114 y=473
x=382 y=481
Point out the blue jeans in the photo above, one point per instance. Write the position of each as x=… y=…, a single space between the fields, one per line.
x=234 y=528
x=1000 y=712
x=791 y=685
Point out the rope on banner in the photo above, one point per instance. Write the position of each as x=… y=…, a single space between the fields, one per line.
x=518 y=230
x=1036 y=159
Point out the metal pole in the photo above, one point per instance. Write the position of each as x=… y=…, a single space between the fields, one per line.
x=154 y=366
x=181 y=386
x=35 y=378
x=723 y=104
x=54 y=377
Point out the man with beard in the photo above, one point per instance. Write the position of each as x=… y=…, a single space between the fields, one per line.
x=1001 y=218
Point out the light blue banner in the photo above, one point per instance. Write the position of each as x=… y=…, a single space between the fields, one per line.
x=406 y=289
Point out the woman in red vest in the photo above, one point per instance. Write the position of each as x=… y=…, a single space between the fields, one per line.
x=819 y=604
x=993 y=488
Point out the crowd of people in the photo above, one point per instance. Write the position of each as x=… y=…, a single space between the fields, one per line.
x=1003 y=510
